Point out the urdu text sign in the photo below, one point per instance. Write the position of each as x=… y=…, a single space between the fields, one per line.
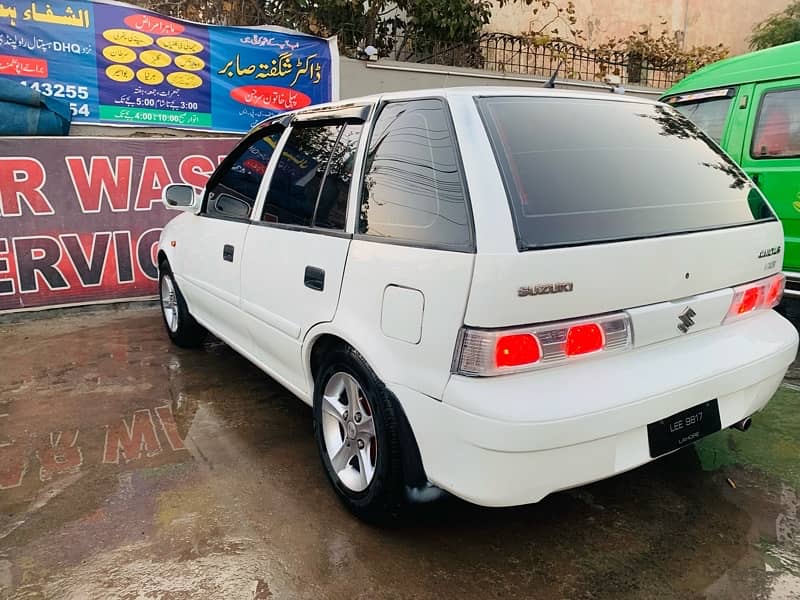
x=119 y=65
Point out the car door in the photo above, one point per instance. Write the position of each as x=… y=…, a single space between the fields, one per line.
x=771 y=156
x=212 y=249
x=296 y=249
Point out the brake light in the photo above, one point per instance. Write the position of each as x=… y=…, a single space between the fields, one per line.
x=751 y=298
x=760 y=295
x=582 y=339
x=482 y=353
x=516 y=350
x=775 y=291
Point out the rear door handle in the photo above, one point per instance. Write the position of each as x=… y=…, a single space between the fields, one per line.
x=227 y=253
x=315 y=278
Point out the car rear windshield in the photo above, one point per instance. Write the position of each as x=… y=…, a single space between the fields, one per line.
x=581 y=171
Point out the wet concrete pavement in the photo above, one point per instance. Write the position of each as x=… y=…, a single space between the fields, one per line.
x=132 y=469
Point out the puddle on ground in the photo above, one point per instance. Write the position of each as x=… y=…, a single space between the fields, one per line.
x=133 y=469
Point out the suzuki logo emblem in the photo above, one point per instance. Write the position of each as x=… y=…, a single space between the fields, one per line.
x=686 y=320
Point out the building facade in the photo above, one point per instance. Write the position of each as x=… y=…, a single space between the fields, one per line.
x=695 y=22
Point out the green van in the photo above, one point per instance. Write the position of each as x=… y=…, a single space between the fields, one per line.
x=750 y=105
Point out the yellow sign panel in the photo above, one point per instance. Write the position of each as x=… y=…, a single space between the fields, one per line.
x=150 y=76
x=126 y=37
x=186 y=81
x=180 y=45
x=155 y=58
x=119 y=54
x=187 y=62
x=119 y=73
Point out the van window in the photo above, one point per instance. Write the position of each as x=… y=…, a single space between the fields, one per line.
x=709 y=115
x=583 y=171
x=413 y=189
x=777 y=130
x=295 y=186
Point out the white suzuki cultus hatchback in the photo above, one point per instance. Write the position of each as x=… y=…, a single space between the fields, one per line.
x=499 y=293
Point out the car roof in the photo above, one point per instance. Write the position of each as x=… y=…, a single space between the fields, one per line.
x=477 y=91
x=779 y=62
x=470 y=91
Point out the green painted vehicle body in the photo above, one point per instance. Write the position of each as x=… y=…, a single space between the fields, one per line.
x=750 y=105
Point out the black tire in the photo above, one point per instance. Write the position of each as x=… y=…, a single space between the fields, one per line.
x=188 y=333
x=383 y=499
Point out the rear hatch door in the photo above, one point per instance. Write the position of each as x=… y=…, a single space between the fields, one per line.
x=617 y=206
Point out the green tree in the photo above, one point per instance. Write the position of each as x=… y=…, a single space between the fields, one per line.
x=780 y=28
x=447 y=20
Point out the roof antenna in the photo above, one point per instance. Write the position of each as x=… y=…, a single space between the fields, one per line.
x=551 y=83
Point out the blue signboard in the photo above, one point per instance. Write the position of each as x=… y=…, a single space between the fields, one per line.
x=119 y=65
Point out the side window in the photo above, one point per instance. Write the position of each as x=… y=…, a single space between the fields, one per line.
x=233 y=190
x=299 y=175
x=777 y=129
x=331 y=210
x=413 y=189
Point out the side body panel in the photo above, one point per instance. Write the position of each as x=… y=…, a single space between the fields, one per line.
x=736 y=126
x=209 y=254
x=442 y=278
x=279 y=305
x=777 y=177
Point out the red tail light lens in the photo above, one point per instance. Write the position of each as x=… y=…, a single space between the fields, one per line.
x=775 y=292
x=760 y=295
x=496 y=352
x=516 y=350
x=751 y=298
x=582 y=339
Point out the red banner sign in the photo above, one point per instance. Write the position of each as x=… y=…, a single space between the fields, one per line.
x=80 y=217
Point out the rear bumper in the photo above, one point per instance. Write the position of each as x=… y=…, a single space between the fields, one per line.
x=512 y=440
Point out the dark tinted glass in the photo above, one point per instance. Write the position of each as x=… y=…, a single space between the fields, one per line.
x=710 y=115
x=412 y=187
x=234 y=193
x=295 y=186
x=581 y=171
x=332 y=206
x=777 y=131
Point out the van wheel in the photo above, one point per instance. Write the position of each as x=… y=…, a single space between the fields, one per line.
x=182 y=329
x=356 y=433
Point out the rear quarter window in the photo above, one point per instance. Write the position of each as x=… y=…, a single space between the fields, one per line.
x=413 y=190
x=581 y=171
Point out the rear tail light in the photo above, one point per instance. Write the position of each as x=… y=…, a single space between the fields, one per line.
x=583 y=339
x=759 y=295
x=490 y=352
x=515 y=350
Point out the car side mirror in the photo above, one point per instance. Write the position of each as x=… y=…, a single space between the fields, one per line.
x=179 y=196
x=230 y=206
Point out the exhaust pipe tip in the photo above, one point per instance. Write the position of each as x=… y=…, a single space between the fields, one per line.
x=743 y=425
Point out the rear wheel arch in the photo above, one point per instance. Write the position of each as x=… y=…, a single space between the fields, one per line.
x=413 y=470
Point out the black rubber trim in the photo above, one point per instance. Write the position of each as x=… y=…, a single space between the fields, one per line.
x=304 y=229
x=413 y=470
